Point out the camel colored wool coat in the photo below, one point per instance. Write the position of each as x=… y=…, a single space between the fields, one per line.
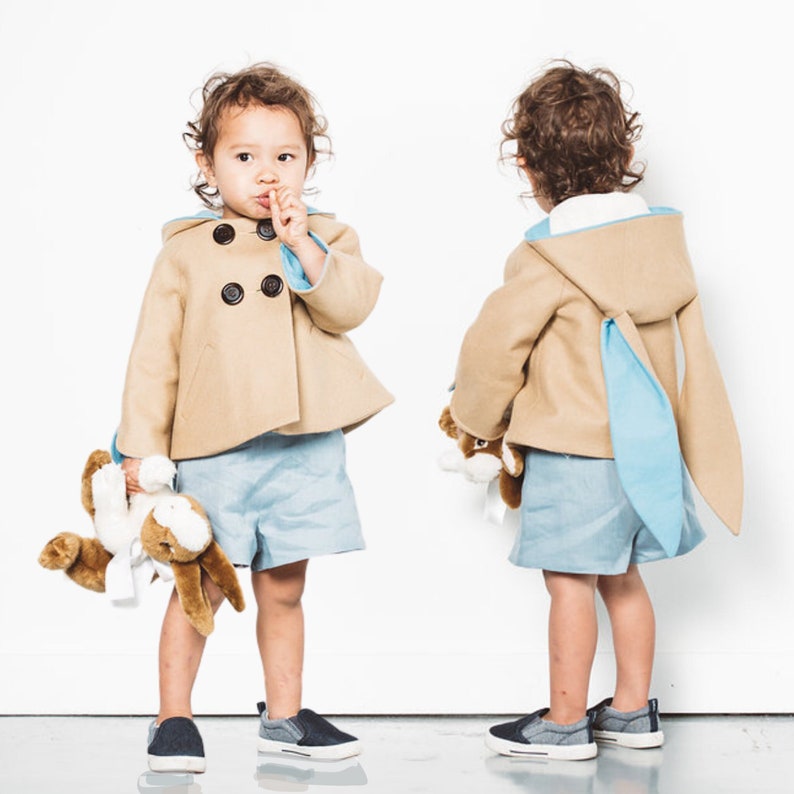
x=530 y=366
x=205 y=375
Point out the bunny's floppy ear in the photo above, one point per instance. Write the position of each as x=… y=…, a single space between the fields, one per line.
x=192 y=595
x=222 y=572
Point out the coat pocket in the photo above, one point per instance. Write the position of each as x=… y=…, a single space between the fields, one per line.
x=197 y=382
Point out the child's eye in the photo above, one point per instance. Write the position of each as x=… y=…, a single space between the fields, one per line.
x=285 y=157
x=244 y=157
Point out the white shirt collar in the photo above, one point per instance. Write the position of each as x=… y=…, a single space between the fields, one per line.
x=593 y=209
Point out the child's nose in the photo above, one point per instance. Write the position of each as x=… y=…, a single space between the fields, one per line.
x=268 y=175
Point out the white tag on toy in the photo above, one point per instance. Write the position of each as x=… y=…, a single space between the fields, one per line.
x=494 y=508
x=129 y=571
x=119 y=579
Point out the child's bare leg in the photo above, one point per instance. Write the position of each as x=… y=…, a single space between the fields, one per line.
x=633 y=635
x=279 y=632
x=573 y=633
x=181 y=648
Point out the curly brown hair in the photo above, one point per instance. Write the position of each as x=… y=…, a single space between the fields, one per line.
x=259 y=84
x=574 y=134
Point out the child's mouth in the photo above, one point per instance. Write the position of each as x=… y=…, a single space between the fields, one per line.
x=264 y=200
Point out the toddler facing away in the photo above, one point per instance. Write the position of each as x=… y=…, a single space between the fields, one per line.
x=573 y=359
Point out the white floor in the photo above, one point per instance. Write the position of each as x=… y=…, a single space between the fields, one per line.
x=402 y=755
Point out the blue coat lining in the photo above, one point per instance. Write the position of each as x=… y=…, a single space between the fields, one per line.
x=542 y=229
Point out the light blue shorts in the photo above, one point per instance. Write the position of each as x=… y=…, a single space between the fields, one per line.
x=277 y=499
x=576 y=518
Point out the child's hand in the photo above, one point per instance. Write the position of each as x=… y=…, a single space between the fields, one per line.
x=290 y=218
x=131 y=467
x=291 y=224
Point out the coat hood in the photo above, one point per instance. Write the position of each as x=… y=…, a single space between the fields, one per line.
x=183 y=224
x=639 y=265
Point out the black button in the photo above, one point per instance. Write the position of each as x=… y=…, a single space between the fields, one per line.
x=265 y=229
x=232 y=293
x=223 y=234
x=272 y=285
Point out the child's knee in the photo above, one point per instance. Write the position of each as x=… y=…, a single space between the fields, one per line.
x=621 y=585
x=560 y=584
x=280 y=587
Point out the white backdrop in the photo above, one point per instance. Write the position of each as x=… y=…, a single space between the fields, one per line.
x=431 y=618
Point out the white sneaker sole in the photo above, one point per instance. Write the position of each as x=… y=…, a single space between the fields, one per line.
x=177 y=763
x=558 y=752
x=637 y=741
x=331 y=751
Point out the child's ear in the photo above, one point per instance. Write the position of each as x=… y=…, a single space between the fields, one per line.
x=205 y=166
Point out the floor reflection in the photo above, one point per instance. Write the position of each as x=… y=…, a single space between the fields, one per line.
x=616 y=770
x=542 y=776
x=625 y=771
x=168 y=783
x=276 y=772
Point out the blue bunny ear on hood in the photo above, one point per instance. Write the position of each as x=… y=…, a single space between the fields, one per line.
x=644 y=435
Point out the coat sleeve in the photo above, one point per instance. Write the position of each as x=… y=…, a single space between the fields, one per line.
x=150 y=388
x=348 y=288
x=494 y=356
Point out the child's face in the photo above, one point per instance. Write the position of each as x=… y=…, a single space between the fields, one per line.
x=259 y=149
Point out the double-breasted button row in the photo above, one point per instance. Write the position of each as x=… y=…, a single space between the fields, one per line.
x=272 y=286
x=224 y=233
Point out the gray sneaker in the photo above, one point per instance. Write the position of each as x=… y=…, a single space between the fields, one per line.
x=638 y=729
x=534 y=737
x=306 y=735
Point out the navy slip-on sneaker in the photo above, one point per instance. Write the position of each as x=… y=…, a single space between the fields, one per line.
x=176 y=746
x=534 y=737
